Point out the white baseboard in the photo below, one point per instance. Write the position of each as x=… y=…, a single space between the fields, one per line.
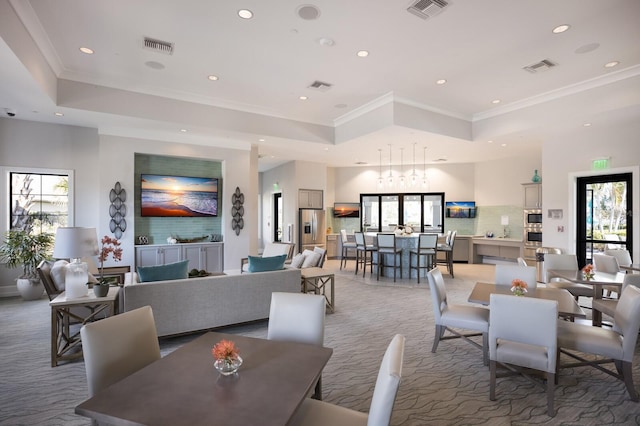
x=9 y=291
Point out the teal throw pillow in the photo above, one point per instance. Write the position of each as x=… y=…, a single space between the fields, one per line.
x=261 y=264
x=170 y=271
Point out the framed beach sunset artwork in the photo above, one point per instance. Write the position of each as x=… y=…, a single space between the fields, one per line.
x=178 y=196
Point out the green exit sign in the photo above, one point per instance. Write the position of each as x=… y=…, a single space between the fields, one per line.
x=600 y=164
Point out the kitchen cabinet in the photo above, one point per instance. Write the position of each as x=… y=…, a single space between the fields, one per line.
x=310 y=199
x=532 y=195
x=332 y=246
x=207 y=256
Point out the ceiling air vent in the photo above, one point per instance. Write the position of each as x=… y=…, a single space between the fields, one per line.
x=319 y=85
x=427 y=8
x=543 y=65
x=158 y=45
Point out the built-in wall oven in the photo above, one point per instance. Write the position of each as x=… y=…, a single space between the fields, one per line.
x=532 y=217
x=532 y=239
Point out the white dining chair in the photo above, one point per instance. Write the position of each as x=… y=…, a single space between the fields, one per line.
x=523 y=333
x=316 y=413
x=505 y=274
x=118 y=346
x=522 y=262
x=617 y=345
x=346 y=247
x=448 y=317
x=447 y=248
x=298 y=317
x=364 y=254
x=622 y=256
x=606 y=263
x=608 y=306
x=567 y=262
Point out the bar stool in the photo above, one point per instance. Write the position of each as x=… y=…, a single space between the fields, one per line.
x=364 y=254
x=447 y=248
x=427 y=248
x=346 y=246
x=387 y=246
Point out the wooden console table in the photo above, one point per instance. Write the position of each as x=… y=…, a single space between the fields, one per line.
x=65 y=313
x=316 y=280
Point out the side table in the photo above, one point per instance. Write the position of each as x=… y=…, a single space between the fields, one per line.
x=316 y=280
x=65 y=313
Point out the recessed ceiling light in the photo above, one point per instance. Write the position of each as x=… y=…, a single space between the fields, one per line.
x=362 y=53
x=489 y=141
x=504 y=144
x=212 y=77
x=303 y=98
x=611 y=64
x=326 y=41
x=495 y=101
x=245 y=14
x=58 y=114
x=587 y=124
x=184 y=130
x=154 y=65
x=86 y=50
x=561 y=28
x=441 y=81
x=261 y=140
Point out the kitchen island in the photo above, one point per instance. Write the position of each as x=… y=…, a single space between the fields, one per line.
x=495 y=248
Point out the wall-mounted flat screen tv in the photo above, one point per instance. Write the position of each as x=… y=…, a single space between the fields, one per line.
x=460 y=209
x=178 y=196
x=346 y=210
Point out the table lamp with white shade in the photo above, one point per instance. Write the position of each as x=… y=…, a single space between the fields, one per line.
x=75 y=243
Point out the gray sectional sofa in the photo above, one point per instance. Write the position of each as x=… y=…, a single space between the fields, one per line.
x=187 y=305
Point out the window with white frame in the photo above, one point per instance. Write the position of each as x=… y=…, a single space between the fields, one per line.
x=39 y=200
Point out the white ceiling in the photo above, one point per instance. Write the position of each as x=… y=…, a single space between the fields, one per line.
x=264 y=64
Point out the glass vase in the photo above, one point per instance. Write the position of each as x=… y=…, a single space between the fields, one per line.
x=227 y=367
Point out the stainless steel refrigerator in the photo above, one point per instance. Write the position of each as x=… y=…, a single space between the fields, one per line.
x=311 y=228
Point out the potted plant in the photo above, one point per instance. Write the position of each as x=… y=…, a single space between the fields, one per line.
x=110 y=246
x=23 y=248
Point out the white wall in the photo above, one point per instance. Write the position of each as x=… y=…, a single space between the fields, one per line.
x=568 y=156
x=499 y=182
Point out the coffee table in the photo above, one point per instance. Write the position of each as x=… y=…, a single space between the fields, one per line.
x=183 y=388
x=316 y=280
x=67 y=312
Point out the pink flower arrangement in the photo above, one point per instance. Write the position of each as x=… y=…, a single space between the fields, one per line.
x=518 y=287
x=225 y=350
x=587 y=271
x=110 y=246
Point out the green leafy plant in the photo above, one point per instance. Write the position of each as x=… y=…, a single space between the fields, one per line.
x=22 y=248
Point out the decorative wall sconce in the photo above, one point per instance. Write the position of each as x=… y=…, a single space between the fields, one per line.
x=117 y=210
x=237 y=211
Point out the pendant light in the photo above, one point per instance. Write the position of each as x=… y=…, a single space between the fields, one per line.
x=413 y=175
x=390 y=179
x=425 y=181
x=402 y=167
x=380 y=180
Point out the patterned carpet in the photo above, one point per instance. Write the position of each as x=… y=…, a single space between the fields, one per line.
x=450 y=387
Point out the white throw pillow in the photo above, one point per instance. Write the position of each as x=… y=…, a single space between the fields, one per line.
x=58 y=273
x=297 y=260
x=311 y=260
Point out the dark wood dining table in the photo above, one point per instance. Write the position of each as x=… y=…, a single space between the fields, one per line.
x=183 y=388
x=599 y=281
x=567 y=305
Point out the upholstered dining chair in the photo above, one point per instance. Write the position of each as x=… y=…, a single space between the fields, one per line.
x=622 y=256
x=317 y=413
x=426 y=250
x=505 y=274
x=607 y=264
x=608 y=306
x=522 y=262
x=447 y=317
x=523 y=333
x=447 y=248
x=298 y=317
x=387 y=247
x=364 y=254
x=568 y=262
x=617 y=345
x=118 y=346
x=346 y=247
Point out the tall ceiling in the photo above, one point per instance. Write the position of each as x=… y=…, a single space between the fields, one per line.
x=387 y=102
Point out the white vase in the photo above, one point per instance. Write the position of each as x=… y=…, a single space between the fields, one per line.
x=30 y=289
